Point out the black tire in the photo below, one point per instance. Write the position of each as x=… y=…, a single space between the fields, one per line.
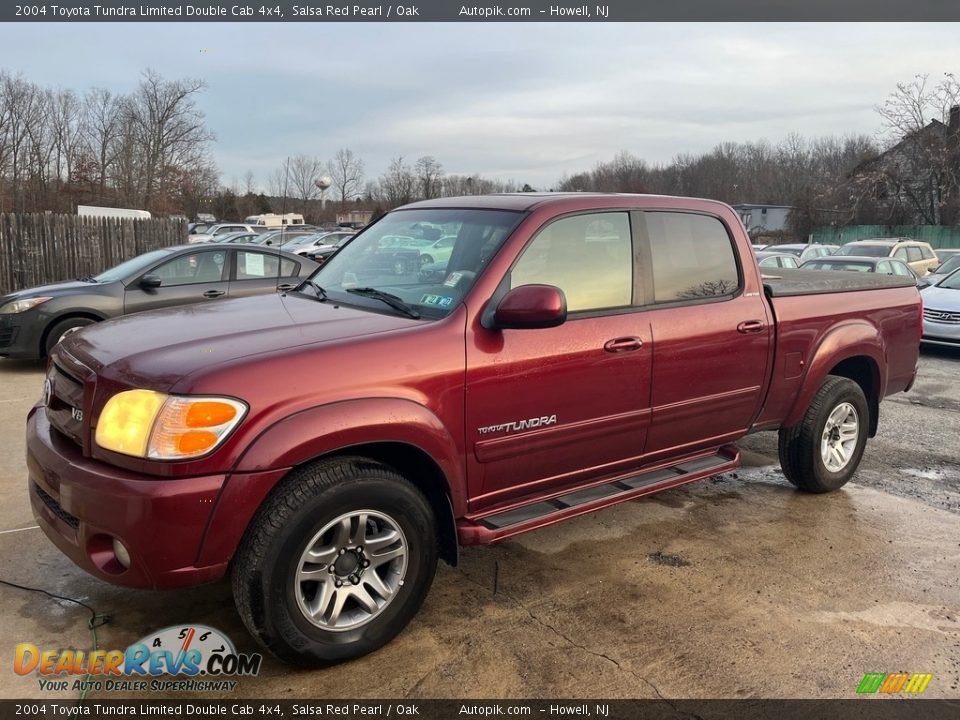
x=800 y=446
x=270 y=553
x=57 y=330
x=425 y=260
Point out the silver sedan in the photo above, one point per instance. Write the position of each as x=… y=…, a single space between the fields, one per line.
x=941 y=312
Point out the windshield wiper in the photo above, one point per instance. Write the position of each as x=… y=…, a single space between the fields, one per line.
x=321 y=293
x=391 y=300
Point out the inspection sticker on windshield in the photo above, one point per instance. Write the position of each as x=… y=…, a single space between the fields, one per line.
x=437 y=300
x=452 y=279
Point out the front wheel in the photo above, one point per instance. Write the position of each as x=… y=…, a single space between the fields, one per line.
x=63 y=329
x=823 y=451
x=336 y=562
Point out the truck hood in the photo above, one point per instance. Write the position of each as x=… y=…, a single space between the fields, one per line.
x=156 y=349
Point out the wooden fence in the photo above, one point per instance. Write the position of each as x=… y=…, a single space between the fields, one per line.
x=41 y=248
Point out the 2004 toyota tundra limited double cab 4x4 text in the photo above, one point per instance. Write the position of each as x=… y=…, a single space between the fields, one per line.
x=325 y=445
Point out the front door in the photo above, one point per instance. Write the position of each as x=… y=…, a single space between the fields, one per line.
x=547 y=408
x=196 y=277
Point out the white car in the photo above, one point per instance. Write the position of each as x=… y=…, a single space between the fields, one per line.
x=222 y=229
x=941 y=312
x=312 y=243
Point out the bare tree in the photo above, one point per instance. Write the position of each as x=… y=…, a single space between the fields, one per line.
x=101 y=120
x=346 y=171
x=169 y=128
x=429 y=177
x=304 y=173
x=398 y=184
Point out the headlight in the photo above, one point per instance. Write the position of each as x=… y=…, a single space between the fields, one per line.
x=19 y=306
x=144 y=423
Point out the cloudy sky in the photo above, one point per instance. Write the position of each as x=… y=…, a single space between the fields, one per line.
x=527 y=102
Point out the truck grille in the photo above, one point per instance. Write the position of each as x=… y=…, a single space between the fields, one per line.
x=65 y=408
x=55 y=508
x=941 y=316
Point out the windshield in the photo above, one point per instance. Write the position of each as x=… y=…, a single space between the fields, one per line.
x=131 y=267
x=949 y=266
x=386 y=257
x=951 y=282
x=823 y=265
x=865 y=250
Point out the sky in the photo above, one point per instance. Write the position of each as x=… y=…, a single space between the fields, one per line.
x=522 y=101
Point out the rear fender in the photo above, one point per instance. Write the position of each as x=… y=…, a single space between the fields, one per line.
x=855 y=338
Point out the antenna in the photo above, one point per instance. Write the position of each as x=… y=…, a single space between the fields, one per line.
x=283 y=214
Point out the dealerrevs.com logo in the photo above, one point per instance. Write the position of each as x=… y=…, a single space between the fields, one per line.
x=205 y=656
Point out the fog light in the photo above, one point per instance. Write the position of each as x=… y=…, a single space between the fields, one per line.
x=123 y=556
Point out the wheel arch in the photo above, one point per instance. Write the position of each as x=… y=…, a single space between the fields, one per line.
x=399 y=433
x=67 y=315
x=853 y=350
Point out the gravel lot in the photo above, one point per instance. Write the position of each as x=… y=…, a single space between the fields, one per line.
x=733 y=587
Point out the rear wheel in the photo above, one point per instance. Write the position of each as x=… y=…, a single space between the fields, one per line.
x=336 y=562
x=59 y=330
x=823 y=451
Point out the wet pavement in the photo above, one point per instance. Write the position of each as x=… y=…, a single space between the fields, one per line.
x=737 y=586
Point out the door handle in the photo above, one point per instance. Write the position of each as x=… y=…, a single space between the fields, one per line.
x=285 y=287
x=751 y=326
x=213 y=293
x=623 y=344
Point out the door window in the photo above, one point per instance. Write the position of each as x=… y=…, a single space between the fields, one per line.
x=256 y=266
x=199 y=267
x=692 y=257
x=589 y=257
x=914 y=254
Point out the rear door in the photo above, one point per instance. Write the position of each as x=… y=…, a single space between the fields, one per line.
x=256 y=272
x=712 y=333
x=199 y=276
x=550 y=407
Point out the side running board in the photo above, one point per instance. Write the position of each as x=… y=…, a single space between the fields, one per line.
x=500 y=523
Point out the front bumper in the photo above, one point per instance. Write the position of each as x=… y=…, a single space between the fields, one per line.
x=19 y=337
x=941 y=333
x=82 y=505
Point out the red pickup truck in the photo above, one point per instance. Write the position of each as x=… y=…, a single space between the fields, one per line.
x=324 y=446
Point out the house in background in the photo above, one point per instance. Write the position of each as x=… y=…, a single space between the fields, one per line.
x=764 y=219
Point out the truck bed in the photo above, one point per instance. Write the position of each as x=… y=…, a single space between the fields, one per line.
x=789 y=283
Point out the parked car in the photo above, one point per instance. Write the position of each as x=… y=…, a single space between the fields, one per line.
x=918 y=255
x=944 y=254
x=284 y=237
x=238 y=238
x=759 y=248
x=321 y=254
x=853 y=263
x=221 y=229
x=951 y=264
x=503 y=399
x=941 y=312
x=770 y=259
x=803 y=251
x=317 y=241
x=33 y=321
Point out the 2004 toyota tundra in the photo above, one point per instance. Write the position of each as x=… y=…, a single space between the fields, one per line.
x=325 y=445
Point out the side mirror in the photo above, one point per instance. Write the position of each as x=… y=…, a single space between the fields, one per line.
x=148 y=282
x=531 y=307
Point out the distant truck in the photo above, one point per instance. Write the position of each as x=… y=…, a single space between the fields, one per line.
x=110 y=212
x=272 y=220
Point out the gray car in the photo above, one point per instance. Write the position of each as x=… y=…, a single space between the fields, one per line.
x=941 y=312
x=33 y=321
x=854 y=263
x=769 y=259
x=949 y=265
